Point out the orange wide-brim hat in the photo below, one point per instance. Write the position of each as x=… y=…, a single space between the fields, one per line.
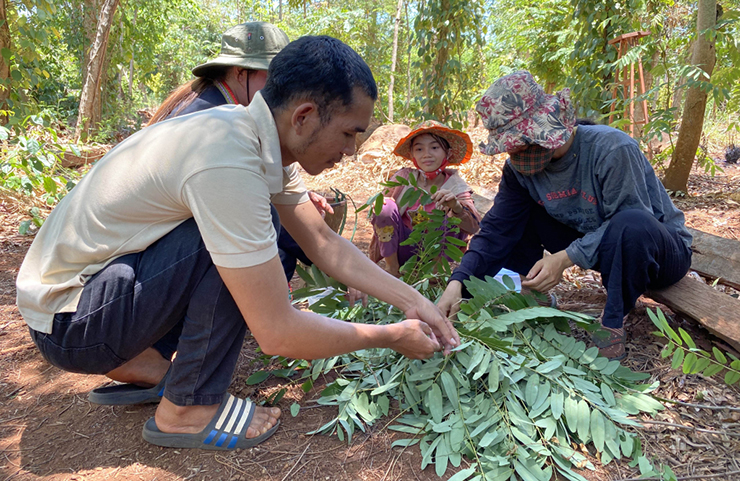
x=461 y=147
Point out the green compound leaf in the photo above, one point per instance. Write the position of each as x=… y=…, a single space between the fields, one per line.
x=712 y=370
x=598 y=429
x=584 y=420
x=434 y=403
x=257 y=377
x=677 y=359
x=462 y=475
x=450 y=388
x=719 y=356
x=556 y=404
x=688 y=362
x=687 y=339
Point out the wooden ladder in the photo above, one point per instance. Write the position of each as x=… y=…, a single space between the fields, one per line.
x=627 y=41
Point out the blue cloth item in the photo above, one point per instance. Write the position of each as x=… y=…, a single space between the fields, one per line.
x=514 y=277
x=142 y=298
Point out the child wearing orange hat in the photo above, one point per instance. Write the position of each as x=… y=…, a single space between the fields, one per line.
x=431 y=146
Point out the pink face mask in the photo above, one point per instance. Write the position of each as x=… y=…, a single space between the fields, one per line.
x=433 y=174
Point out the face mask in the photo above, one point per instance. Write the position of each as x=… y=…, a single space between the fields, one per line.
x=532 y=160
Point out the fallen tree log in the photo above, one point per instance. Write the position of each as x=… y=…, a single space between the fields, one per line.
x=716 y=257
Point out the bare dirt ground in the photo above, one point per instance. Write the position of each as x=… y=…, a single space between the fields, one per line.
x=49 y=431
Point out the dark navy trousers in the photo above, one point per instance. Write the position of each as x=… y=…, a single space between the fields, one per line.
x=636 y=253
x=169 y=297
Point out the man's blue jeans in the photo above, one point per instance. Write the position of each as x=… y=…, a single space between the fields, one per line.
x=169 y=297
x=636 y=253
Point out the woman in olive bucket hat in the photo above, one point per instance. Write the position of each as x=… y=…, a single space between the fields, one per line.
x=431 y=146
x=233 y=78
x=586 y=194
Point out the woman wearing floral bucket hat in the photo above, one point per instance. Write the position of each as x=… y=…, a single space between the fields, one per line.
x=431 y=146
x=585 y=193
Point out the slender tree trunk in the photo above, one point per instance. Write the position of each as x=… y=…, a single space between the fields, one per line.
x=280 y=10
x=393 y=60
x=437 y=82
x=92 y=85
x=131 y=63
x=692 y=121
x=5 y=46
x=408 y=58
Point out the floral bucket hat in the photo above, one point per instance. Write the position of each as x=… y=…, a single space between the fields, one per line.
x=461 y=147
x=518 y=113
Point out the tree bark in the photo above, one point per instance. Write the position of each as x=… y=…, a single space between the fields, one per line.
x=91 y=88
x=393 y=60
x=692 y=120
x=436 y=84
x=5 y=80
x=408 y=58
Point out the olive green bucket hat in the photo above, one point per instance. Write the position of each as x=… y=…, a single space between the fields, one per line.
x=249 y=45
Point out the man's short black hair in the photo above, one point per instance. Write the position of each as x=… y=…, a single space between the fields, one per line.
x=321 y=69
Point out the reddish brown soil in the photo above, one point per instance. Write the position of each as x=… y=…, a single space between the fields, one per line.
x=48 y=429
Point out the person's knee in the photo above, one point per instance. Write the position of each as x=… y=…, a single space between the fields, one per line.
x=632 y=224
x=388 y=214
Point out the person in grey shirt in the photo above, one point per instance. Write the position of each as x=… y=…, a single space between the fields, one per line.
x=585 y=193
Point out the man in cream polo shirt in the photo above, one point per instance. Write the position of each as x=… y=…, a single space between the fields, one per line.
x=170 y=237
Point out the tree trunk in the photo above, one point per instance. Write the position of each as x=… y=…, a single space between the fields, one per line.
x=91 y=88
x=408 y=58
x=5 y=80
x=692 y=121
x=393 y=60
x=437 y=82
x=131 y=63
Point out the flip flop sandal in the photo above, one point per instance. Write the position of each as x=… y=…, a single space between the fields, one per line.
x=226 y=431
x=125 y=394
x=605 y=338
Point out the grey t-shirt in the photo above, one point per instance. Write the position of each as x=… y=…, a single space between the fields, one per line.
x=602 y=173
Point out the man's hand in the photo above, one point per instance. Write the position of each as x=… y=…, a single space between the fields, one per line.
x=447 y=201
x=547 y=272
x=320 y=203
x=414 y=339
x=449 y=303
x=441 y=326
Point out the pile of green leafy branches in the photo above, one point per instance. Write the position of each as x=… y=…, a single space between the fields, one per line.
x=520 y=398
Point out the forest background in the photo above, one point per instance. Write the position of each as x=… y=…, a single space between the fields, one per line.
x=83 y=70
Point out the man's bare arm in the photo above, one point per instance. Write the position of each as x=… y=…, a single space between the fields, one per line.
x=343 y=261
x=261 y=293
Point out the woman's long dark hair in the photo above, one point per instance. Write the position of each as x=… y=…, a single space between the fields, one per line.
x=185 y=94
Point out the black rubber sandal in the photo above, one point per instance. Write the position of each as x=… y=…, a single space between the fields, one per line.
x=127 y=394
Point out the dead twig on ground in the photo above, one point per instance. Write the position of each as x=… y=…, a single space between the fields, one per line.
x=685 y=478
x=296 y=463
x=692 y=428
